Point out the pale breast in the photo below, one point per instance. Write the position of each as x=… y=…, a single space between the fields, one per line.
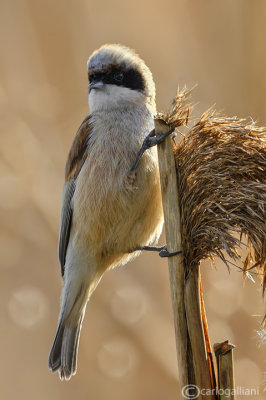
x=105 y=204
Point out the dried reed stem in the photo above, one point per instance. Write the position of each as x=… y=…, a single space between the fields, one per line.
x=190 y=341
x=216 y=191
x=225 y=368
x=207 y=341
x=196 y=332
x=185 y=297
x=174 y=242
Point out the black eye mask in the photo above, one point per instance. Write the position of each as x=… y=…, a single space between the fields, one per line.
x=130 y=78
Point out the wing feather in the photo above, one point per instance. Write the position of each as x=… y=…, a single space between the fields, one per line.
x=65 y=221
x=75 y=160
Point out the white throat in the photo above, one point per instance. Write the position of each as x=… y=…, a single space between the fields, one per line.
x=112 y=97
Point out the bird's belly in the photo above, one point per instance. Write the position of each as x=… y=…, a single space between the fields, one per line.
x=111 y=215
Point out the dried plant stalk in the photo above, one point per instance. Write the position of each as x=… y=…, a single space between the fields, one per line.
x=203 y=371
x=221 y=182
x=207 y=340
x=221 y=165
x=188 y=325
x=225 y=368
x=174 y=242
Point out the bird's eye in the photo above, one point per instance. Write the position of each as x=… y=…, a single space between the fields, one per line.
x=118 y=76
x=91 y=77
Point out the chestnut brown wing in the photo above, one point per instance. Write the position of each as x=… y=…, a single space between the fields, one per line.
x=75 y=160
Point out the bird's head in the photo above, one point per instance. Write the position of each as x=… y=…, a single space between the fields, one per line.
x=118 y=77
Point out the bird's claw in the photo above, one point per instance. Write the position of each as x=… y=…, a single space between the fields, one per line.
x=163 y=252
x=150 y=141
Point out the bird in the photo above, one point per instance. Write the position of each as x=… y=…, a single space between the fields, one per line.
x=109 y=212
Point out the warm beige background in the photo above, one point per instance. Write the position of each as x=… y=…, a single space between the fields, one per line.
x=127 y=348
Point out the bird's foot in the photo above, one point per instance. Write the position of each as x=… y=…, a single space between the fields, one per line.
x=163 y=252
x=150 y=141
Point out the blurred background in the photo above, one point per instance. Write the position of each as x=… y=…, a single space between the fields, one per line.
x=127 y=347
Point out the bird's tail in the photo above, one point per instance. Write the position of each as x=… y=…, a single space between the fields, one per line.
x=63 y=355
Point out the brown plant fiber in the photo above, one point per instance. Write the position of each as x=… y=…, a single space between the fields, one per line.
x=221 y=169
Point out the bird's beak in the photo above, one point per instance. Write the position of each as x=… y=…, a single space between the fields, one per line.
x=96 y=85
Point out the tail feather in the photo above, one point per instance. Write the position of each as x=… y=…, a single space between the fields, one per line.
x=63 y=355
x=55 y=353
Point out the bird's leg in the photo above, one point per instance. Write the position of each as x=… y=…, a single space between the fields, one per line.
x=163 y=252
x=149 y=141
